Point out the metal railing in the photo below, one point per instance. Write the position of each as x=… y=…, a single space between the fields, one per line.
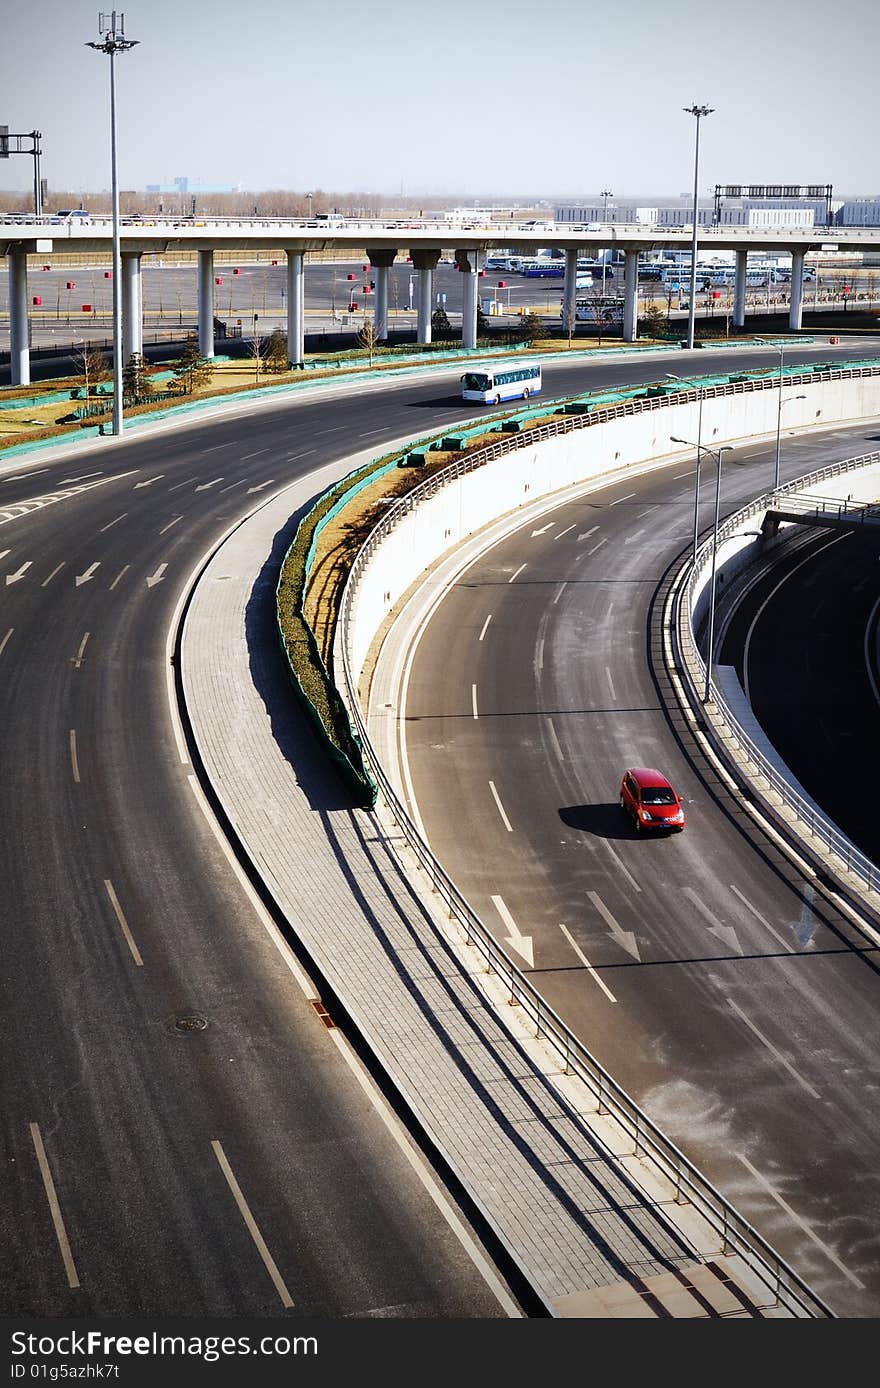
x=735 y=1233
x=694 y=665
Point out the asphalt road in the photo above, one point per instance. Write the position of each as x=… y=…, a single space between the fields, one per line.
x=730 y=996
x=124 y=928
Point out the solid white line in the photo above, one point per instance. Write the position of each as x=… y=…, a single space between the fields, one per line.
x=5 y=639
x=517 y=574
x=73 y=757
x=56 y=570
x=586 y=963
x=170 y=523
x=118 y=576
x=114 y=902
x=867 y=653
x=598 y=546
x=850 y=1276
x=485 y=624
x=54 y=1207
x=112 y=523
x=629 y=496
x=559 y=591
x=251 y=1223
x=789 y=949
x=771 y=595
x=507 y=824
x=474 y=698
x=563 y=532
x=774 y=1051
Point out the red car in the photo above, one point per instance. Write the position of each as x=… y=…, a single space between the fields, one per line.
x=649 y=799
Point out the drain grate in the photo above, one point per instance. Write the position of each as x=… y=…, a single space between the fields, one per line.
x=319 y=1008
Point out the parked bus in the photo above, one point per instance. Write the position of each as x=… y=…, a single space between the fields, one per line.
x=489 y=385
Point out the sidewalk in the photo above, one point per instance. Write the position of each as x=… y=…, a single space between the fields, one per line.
x=585 y=1223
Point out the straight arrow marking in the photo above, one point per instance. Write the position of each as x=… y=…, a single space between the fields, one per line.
x=157 y=576
x=521 y=943
x=625 y=938
x=89 y=573
x=20 y=573
x=725 y=933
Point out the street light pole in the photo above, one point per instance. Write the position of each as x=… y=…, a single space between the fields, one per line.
x=112 y=27
x=699 y=447
x=697 y=111
x=716 y=454
x=606 y=194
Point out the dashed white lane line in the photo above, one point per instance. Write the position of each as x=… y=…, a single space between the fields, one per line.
x=251 y=1224
x=123 y=923
x=177 y=486
x=485 y=625
x=832 y=1257
x=517 y=574
x=76 y=661
x=74 y=760
x=507 y=824
x=622 y=867
x=555 y=740
x=118 y=576
x=539 y=654
x=559 y=591
x=474 y=699
x=629 y=496
x=54 y=1206
x=774 y=1051
x=563 y=532
x=586 y=963
x=679 y=475
x=5 y=639
x=82 y=478
x=4 y=552
x=170 y=523
x=610 y=682
x=111 y=524
x=247 y=457
x=57 y=569
x=789 y=949
x=598 y=546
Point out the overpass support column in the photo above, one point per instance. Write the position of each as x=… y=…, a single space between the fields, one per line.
x=466 y=261
x=425 y=262
x=795 y=312
x=296 y=301
x=206 y=303
x=739 y=288
x=19 y=327
x=383 y=261
x=631 y=296
x=569 y=292
x=132 y=308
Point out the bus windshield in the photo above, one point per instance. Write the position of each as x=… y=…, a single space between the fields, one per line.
x=476 y=380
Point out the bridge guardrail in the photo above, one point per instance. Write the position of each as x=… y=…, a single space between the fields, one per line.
x=733 y=1230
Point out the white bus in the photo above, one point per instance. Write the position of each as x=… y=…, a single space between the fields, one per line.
x=489 y=385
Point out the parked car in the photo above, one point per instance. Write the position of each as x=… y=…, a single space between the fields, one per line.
x=650 y=801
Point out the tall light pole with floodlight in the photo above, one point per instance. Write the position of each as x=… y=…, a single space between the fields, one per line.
x=699 y=112
x=112 y=29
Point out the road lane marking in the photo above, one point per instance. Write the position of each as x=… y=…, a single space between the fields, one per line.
x=19 y=573
x=247 y=457
x=725 y=933
x=23 y=476
x=647 y=512
x=114 y=902
x=610 y=682
x=177 y=486
x=629 y=496
x=4 y=552
x=517 y=574
x=170 y=523
x=485 y=624
x=474 y=699
x=559 y=591
x=555 y=740
x=786 y=945
x=625 y=938
x=774 y=1051
x=57 y=569
x=240 y=483
x=507 y=824
x=251 y=1224
x=54 y=1207
x=149 y=482
x=832 y=1257
x=623 y=867
x=84 y=478
x=539 y=655
x=677 y=476
x=5 y=639
x=205 y=485
x=563 y=532
x=73 y=757
x=88 y=575
x=112 y=523
x=585 y=534
x=598 y=546
x=76 y=660
x=770 y=596
x=521 y=943
x=586 y=963
x=118 y=576
x=157 y=576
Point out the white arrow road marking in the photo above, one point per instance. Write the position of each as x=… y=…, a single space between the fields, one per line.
x=205 y=485
x=20 y=573
x=625 y=938
x=19 y=476
x=521 y=943
x=157 y=576
x=76 y=660
x=507 y=824
x=544 y=529
x=54 y=1207
x=725 y=933
x=83 y=478
x=149 y=482
x=260 y=487
x=586 y=963
x=585 y=534
x=89 y=573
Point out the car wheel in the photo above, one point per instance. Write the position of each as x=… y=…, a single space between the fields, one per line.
x=497 y=399
x=526 y=393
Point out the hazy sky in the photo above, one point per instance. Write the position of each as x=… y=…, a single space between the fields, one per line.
x=507 y=97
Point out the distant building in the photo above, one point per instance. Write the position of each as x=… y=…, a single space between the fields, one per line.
x=859 y=213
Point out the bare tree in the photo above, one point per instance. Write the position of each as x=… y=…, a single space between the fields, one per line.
x=256 y=352
x=368 y=337
x=92 y=366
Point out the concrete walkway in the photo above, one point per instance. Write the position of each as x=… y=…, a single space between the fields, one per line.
x=584 y=1220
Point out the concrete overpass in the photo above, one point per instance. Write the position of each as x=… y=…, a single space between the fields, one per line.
x=424 y=240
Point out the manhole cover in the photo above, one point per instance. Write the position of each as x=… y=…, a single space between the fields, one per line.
x=191 y=1023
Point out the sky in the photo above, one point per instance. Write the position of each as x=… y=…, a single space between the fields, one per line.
x=496 y=100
